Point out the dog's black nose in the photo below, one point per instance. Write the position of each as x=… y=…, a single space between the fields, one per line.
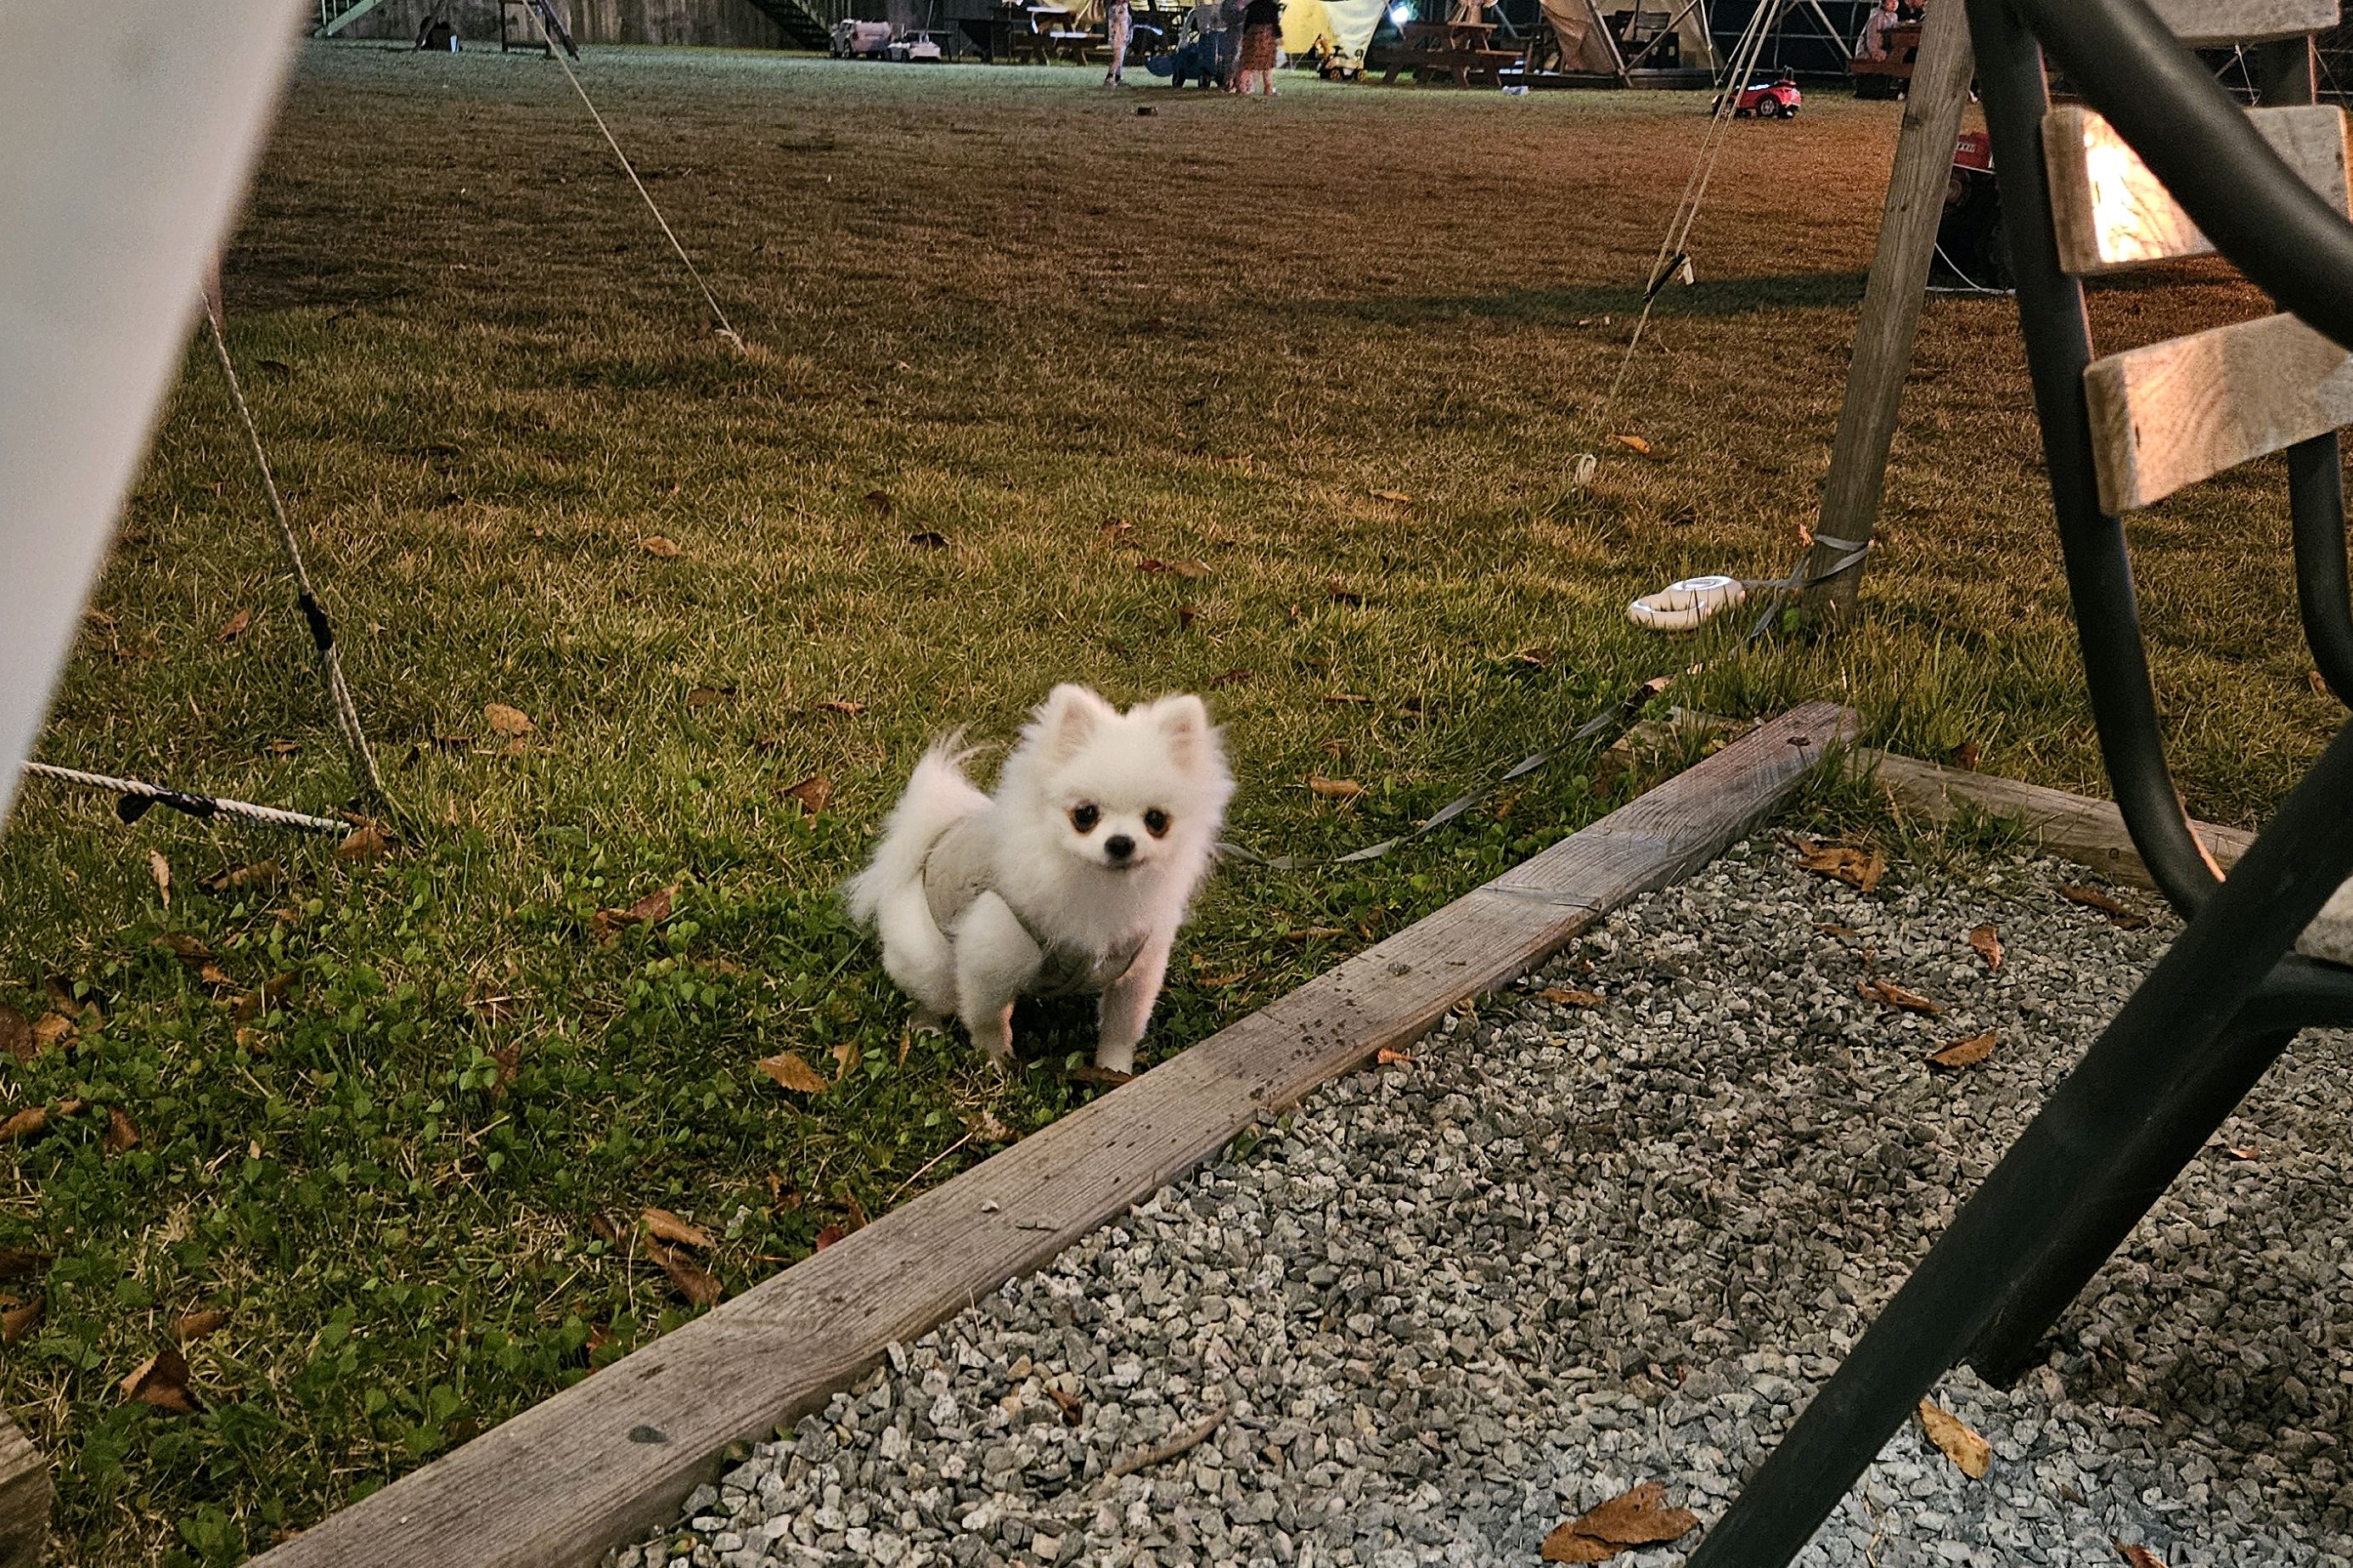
x=1119 y=847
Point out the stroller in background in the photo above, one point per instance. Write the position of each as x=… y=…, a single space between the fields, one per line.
x=1193 y=59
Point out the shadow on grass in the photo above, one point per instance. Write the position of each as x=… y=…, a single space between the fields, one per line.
x=1567 y=307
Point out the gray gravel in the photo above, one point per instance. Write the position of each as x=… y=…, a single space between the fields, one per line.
x=1451 y=1302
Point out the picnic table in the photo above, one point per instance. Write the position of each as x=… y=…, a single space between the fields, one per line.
x=1455 y=52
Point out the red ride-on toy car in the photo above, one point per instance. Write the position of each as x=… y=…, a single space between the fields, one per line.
x=1778 y=101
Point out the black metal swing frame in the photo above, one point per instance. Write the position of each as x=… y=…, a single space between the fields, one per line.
x=2231 y=992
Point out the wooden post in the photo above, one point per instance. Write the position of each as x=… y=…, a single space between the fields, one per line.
x=24 y=1499
x=1891 y=307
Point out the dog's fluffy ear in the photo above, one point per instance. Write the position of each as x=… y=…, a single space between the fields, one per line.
x=1070 y=717
x=1185 y=720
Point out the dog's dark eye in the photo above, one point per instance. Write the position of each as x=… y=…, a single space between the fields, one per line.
x=1155 y=822
x=1084 y=818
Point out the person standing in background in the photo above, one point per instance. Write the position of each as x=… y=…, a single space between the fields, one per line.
x=1261 y=27
x=1229 y=43
x=1115 y=29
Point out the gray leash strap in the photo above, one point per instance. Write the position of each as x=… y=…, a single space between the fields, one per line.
x=1620 y=713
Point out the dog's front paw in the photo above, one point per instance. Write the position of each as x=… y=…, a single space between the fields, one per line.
x=1115 y=1059
x=926 y=1022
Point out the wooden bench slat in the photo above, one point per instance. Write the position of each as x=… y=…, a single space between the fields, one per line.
x=2175 y=412
x=2112 y=214
x=2211 y=24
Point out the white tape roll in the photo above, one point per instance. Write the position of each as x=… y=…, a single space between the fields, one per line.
x=1686 y=606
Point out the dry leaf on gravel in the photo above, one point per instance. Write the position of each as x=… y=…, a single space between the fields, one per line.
x=1889 y=995
x=18 y=1322
x=789 y=1070
x=162 y=1380
x=1633 y=1517
x=2242 y=1151
x=2092 y=899
x=512 y=723
x=1858 y=868
x=1988 y=943
x=234 y=627
x=1964 y=1053
x=1073 y=1408
x=191 y=1327
x=1334 y=789
x=664 y=1225
x=161 y=870
x=17 y=1034
x=659 y=546
x=1386 y=1057
x=1569 y=996
x=365 y=842
x=812 y=793
x=1961 y=1445
x=120 y=1135
x=2138 y=1556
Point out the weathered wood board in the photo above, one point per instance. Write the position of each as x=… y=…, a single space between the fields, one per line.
x=24 y=1492
x=2211 y=24
x=2110 y=212
x=2186 y=409
x=561 y=1483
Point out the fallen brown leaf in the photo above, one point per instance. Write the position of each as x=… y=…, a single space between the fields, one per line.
x=17 y=1034
x=1858 y=868
x=1100 y=1078
x=1569 y=996
x=845 y=1057
x=1988 y=943
x=162 y=1380
x=651 y=910
x=1633 y=1517
x=1191 y=571
x=512 y=723
x=234 y=627
x=1972 y=1453
x=827 y=1235
x=685 y=1275
x=236 y=878
x=1889 y=995
x=707 y=696
x=1964 y=1053
x=1386 y=1057
x=2138 y=1556
x=365 y=842
x=27 y=1123
x=1334 y=789
x=2092 y=899
x=1633 y=444
x=1398 y=496
x=881 y=501
x=790 y=1072
x=857 y=1210
x=18 y=1322
x=161 y=870
x=15 y=1262
x=2319 y=685
x=2242 y=1151
x=1342 y=593
x=1186 y=615
x=1073 y=1408
x=813 y=792
x=1965 y=756
x=661 y=547
x=189 y=1327
x=120 y=1135
x=836 y=705
x=664 y=1225
x=52 y=1029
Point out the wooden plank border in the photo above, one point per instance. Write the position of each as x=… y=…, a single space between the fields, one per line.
x=562 y=1482
x=24 y=1495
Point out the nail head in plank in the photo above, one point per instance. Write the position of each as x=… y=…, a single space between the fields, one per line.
x=2110 y=212
x=2218 y=24
x=2180 y=411
x=613 y=1455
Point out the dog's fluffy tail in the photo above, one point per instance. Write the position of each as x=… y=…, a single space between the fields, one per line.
x=938 y=795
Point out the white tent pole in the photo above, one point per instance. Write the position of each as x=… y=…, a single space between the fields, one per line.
x=130 y=129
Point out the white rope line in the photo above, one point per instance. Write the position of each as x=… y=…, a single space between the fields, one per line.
x=1687 y=207
x=344 y=712
x=726 y=328
x=197 y=806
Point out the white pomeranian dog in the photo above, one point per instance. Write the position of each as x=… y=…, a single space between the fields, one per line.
x=1073 y=878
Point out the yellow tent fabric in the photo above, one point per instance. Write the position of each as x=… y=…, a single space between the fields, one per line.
x=1345 y=25
x=1582 y=47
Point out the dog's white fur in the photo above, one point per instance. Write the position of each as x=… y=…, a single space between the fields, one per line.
x=1070 y=890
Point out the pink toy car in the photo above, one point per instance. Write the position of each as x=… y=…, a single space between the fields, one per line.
x=1778 y=101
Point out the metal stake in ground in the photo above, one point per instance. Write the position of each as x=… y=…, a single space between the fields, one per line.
x=345 y=713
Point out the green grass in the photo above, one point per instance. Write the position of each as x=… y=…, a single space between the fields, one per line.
x=996 y=306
